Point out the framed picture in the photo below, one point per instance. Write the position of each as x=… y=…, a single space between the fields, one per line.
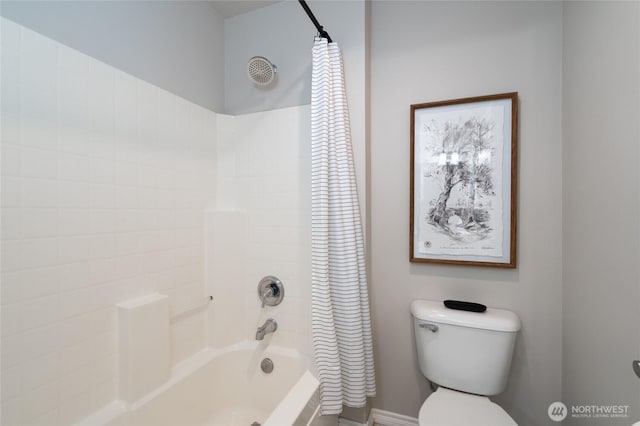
x=464 y=181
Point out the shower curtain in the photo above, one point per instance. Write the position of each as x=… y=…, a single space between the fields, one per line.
x=340 y=303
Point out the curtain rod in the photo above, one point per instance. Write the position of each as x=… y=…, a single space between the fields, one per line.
x=319 y=27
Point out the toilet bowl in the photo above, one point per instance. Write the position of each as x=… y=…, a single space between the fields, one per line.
x=447 y=407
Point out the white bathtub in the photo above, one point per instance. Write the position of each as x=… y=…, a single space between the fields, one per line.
x=226 y=388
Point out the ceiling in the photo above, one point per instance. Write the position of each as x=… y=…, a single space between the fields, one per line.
x=229 y=8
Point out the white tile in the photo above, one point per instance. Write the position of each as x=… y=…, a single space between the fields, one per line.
x=103 y=196
x=39 y=223
x=12 y=348
x=101 y=100
x=165 y=198
x=189 y=218
x=166 y=114
x=39 y=252
x=109 y=294
x=74 y=249
x=75 y=119
x=31 y=344
x=39 y=193
x=10 y=81
x=74 y=222
x=11 y=191
x=103 y=320
x=185 y=256
x=74 y=303
x=72 y=330
x=128 y=243
x=75 y=195
x=11 y=382
x=147 y=121
x=166 y=178
x=184 y=275
x=102 y=246
x=156 y=240
x=12 y=320
x=39 y=371
x=103 y=270
x=72 y=408
x=148 y=176
x=128 y=220
x=156 y=219
x=187 y=237
x=11 y=288
x=12 y=412
x=187 y=177
x=128 y=266
x=11 y=223
x=104 y=374
x=126 y=173
x=102 y=170
x=103 y=144
x=10 y=158
x=73 y=361
x=39 y=163
x=151 y=198
x=72 y=276
x=73 y=139
x=156 y=260
x=39 y=282
x=73 y=167
x=188 y=199
x=103 y=346
x=163 y=281
x=126 y=196
x=12 y=255
x=40 y=401
x=103 y=220
x=39 y=312
x=126 y=116
x=38 y=91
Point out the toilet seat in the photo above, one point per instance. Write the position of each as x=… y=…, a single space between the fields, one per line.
x=446 y=407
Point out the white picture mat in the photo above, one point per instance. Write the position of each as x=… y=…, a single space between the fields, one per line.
x=497 y=248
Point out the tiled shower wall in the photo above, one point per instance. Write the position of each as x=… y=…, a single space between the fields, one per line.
x=105 y=180
x=262 y=226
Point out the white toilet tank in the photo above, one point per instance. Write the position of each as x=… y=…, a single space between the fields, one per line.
x=465 y=351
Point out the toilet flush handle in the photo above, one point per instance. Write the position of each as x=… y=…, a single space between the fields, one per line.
x=429 y=326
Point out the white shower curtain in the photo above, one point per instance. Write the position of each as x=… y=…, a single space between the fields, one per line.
x=340 y=303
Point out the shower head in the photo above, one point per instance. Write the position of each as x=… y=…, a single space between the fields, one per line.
x=261 y=71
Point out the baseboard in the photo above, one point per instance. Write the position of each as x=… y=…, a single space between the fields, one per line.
x=387 y=418
x=348 y=422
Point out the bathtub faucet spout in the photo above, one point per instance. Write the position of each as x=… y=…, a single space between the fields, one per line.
x=268 y=327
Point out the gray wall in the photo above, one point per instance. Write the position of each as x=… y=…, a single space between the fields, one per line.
x=429 y=51
x=177 y=45
x=284 y=34
x=601 y=150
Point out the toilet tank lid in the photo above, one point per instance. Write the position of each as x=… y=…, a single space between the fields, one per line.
x=492 y=319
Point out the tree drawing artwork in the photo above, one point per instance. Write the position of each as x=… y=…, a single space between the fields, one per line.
x=461 y=151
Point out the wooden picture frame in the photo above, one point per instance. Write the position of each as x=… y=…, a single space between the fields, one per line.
x=464 y=168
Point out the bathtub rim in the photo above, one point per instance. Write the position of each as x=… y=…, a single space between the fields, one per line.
x=182 y=370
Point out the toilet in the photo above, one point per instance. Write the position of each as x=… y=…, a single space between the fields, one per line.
x=468 y=355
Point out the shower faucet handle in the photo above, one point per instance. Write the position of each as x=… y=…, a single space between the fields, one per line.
x=267 y=293
x=270 y=291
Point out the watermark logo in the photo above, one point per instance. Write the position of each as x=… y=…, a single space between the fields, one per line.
x=557 y=411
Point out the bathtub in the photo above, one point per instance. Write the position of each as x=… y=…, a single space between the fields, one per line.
x=226 y=388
